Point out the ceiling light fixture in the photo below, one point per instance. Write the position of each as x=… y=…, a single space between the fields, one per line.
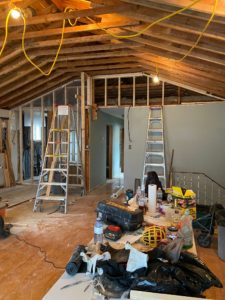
x=15 y=13
x=155 y=79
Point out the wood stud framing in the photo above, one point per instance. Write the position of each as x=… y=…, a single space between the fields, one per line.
x=88 y=49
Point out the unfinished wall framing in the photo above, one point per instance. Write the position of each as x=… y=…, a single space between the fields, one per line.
x=34 y=123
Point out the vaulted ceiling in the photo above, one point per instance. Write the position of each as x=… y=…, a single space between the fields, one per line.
x=91 y=44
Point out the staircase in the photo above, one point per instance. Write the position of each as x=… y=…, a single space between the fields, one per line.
x=154 y=152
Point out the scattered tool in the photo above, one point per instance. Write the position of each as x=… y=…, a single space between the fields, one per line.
x=113 y=232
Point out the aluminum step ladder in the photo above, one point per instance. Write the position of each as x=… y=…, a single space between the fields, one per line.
x=54 y=180
x=154 y=159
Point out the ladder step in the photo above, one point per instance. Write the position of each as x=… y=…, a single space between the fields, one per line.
x=61 y=143
x=53 y=183
x=56 y=198
x=75 y=175
x=59 y=130
x=56 y=155
x=75 y=185
x=155 y=165
x=155 y=118
x=154 y=142
x=56 y=169
x=155 y=130
x=158 y=153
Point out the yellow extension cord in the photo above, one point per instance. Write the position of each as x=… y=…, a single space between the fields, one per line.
x=108 y=32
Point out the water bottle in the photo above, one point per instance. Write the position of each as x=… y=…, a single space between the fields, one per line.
x=98 y=231
x=186 y=229
x=138 y=194
x=159 y=194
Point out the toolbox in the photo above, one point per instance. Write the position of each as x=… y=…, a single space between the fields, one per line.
x=119 y=214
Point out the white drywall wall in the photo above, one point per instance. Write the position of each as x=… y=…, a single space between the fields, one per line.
x=195 y=132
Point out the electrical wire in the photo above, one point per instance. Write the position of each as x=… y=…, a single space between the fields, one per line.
x=40 y=249
x=147 y=27
x=57 y=53
x=100 y=27
x=6 y=31
x=202 y=33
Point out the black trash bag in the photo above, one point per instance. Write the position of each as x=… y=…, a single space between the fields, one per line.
x=189 y=258
x=158 y=280
x=115 y=279
x=119 y=256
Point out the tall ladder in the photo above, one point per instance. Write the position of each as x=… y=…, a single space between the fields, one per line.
x=154 y=152
x=55 y=175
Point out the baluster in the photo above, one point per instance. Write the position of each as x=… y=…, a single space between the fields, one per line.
x=212 y=200
x=205 y=192
x=191 y=182
x=198 y=189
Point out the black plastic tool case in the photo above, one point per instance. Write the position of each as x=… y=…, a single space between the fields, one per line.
x=113 y=213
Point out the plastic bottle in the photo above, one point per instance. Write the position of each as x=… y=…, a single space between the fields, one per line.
x=159 y=194
x=186 y=229
x=141 y=200
x=138 y=194
x=98 y=231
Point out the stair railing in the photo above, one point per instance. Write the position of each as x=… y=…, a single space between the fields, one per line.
x=208 y=191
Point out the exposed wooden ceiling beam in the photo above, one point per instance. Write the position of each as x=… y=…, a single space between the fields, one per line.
x=58 y=31
x=168 y=8
x=66 y=15
x=32 y=81
x=45 y=88
x=203 y=6
x=174 y=36
x=34 y=74
x=179 y=23
x=71 y=57
x=180 y=76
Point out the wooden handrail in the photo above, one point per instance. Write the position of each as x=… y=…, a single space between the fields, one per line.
x=200 y=173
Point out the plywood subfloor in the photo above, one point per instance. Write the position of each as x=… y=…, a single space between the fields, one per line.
x=24 y=273
x=18 y=194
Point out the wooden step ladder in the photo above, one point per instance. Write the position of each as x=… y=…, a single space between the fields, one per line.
x=54 y=180
x=154 y=159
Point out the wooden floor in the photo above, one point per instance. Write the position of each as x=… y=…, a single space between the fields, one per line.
x=24 y=275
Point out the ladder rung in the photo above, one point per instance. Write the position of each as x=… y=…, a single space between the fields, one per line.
x=56 y=155
x=154 y=153
x=155 y=165
x=75 y=185
x=57 y=143
x=155 y=118
x=59 y=130
x=75 y=175
x=155 y=130
x=154 y=142
x=55 y=169
x=53 y=183
x=57 y=198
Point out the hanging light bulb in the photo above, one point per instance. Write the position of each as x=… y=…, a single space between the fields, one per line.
x=15 y=13
x=155 y=79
